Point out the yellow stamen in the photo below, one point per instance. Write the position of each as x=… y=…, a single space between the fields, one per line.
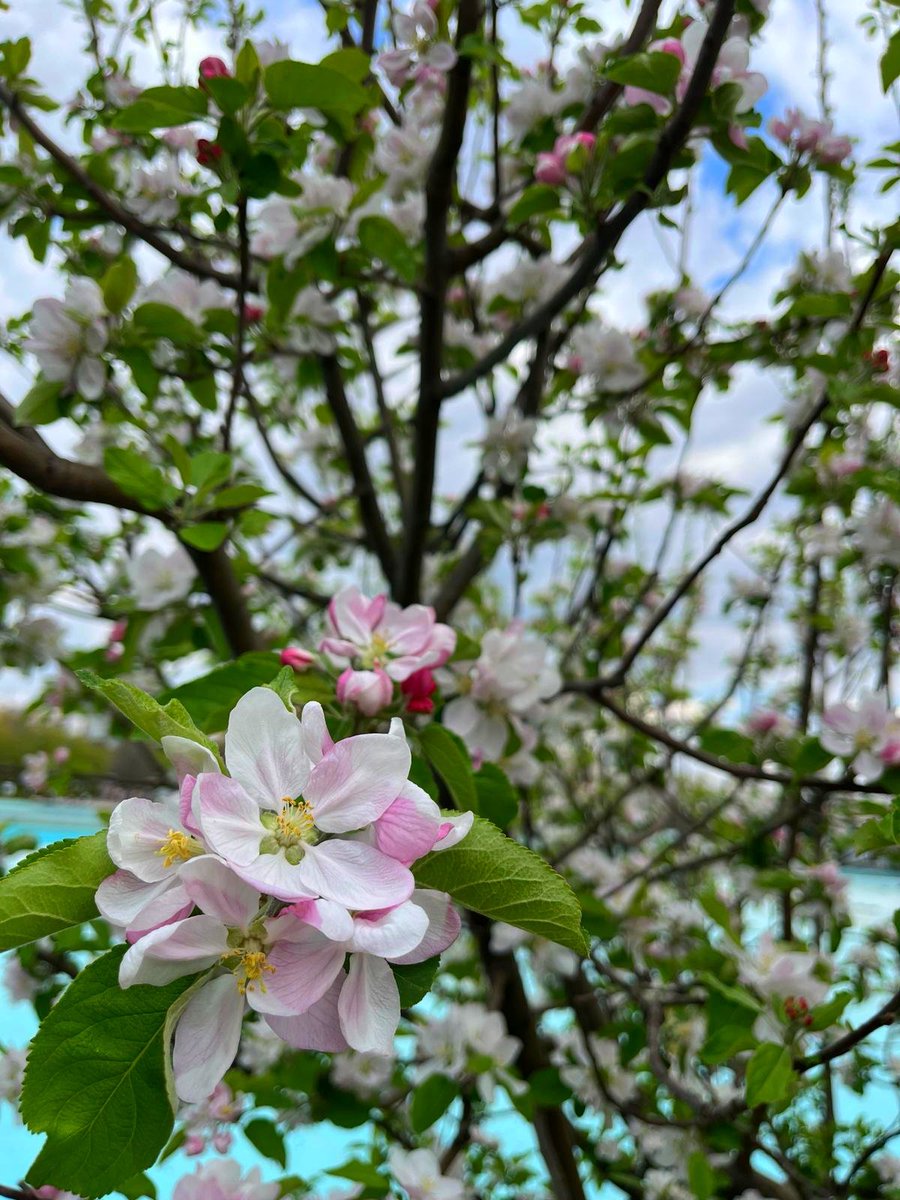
x=295 y=819
x=250 y=969
x=177 y=847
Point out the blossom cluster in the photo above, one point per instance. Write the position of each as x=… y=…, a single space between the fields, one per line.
x=266 y=878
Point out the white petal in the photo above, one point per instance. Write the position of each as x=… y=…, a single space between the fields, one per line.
x=264 y=748
x=369 y=1005
x=207 y=1037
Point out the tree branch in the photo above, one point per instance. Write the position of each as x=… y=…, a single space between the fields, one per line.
x=439 y=187
x=599 y=244
x=111 y=206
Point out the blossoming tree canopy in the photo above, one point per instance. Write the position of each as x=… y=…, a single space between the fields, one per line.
x=450 y=532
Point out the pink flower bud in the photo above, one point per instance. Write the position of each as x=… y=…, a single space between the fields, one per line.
x=419 y=688
x=293 y=656
x=194 y=1144
x=369 y=691
x=212 y=68
x=254 y=312
x=550 y=169
x=222 y=1140
x=208 y=152
x=61 y=755
x=118 y=631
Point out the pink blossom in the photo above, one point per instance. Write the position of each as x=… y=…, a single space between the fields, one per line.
x=418 y=689
x=766 y=721
x=280 y=966
x=377 y=634
x=292 y=792
x=550 y=169
x=807 y=135
x=369 y=691
x=224 y=1181
x=867 y=733
x=294 y=656
x=212 y=68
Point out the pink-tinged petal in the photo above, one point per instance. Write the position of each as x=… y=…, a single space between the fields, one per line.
x=189 y=805
x=174 y=951
x=304 y=964
x=274 y=875
x=453 y=830
x=410 y=827
x=319 y=1028
x=137 y=830
x=329 y=918
x=187 y=757
x=317 y=741
x=122 y=896
x=753 y=87
x=229 y=819
x=353 y=616
x=338 y=648
x=169 y=906
x=356 y=875
x=207 y=1038
x=369 y=1005
x=369 y=691
x=264 y=748
x=216 y=889
x=354 y=784
x=407 y=630
x=443 y=926
x=392 y=934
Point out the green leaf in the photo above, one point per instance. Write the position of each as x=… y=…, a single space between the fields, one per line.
x=701 y=1177
x=381 y=239
x=138 y=478
x=414 y=980
x=547 y=1088
x=40 y=405
x=212 y=697
x=119 y=284
x=430 y=1101
x=306 y=85
x=449 y=758
x=350 y=62
x=496 y=797
x=208 y=535
x=160 y=108
x=164 y=321
x=268 y=1140
x=52 y=889
x=654 y=71
x=134 y=1189
x=890 y=62
x=240 y=495
x=536 y=201
x=491 y=874
x=209 y=468
x=151 y=717
x=229 y=93
x=98 y=1080
x=769 y=1075
x=728 y=743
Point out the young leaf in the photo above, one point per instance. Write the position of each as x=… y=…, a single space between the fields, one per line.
x=98 y=1080
x=497 y=799
x=769 y=1075
x=504 y=880
x=306 y=85
x=414 y=981
x=146 y=713
x=430 y=1101
x=268 y=1140
x=448 y=757
x=52 y=889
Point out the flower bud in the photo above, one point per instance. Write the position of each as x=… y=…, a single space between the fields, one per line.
x=369 y=691
x=419 y=688
x=213 y=68
x=293 y=656
x=208 y=152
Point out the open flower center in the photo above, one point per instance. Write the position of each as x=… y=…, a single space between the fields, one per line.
x=247 y=958
x=177 y=847
x=288 y=829
x=377 y=654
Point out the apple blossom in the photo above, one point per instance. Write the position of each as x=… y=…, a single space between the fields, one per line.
x=159 y=577
x=296 y=657
x=67 y=337
x=292 y=792
x=419 y=1173
x=224 y=1181
x=867 y=732
x=382 y=642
